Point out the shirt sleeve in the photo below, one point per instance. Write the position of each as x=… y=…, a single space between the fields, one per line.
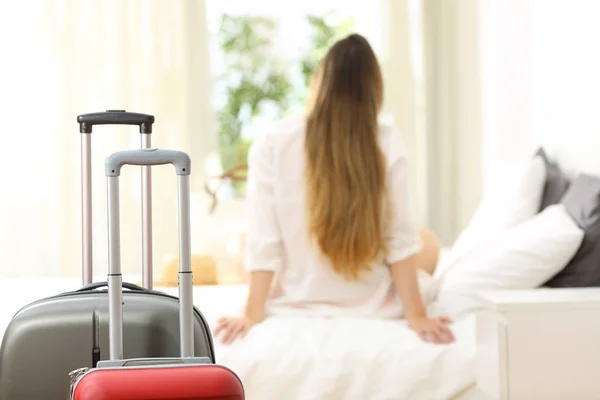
x=264 y=251
x=403 y=239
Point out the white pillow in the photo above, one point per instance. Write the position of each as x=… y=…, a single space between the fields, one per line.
x=522 y=257
x=515 y=195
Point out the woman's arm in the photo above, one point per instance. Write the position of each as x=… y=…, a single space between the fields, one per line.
x=404 y=275
x=232 y=328
x=260 y=286
x=264 y=250
x=403 y=240
x=403 y=244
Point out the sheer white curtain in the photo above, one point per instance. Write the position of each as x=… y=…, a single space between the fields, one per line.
x=453 y=126
x=61 y=58
x=402 y=60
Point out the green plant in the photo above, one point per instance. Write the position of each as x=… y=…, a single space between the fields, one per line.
x=251 y=78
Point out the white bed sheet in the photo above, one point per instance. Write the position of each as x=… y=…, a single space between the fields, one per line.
x=320 y=359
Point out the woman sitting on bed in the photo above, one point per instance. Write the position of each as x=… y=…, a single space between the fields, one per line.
x=331 y=231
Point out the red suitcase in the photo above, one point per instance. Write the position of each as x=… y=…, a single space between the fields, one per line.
x=184 y=378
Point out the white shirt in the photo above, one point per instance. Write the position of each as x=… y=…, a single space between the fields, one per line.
x=277 y=237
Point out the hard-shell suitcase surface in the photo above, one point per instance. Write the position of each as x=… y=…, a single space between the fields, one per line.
x=49 y=338
x=182 y=378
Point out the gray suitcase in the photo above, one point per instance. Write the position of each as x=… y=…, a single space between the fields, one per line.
x=49 y=338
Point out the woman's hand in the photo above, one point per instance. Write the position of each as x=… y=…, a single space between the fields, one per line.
x=233 y=328
x=432 y=330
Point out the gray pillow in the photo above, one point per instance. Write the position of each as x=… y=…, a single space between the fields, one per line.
x=582 y=202
x=557 y=181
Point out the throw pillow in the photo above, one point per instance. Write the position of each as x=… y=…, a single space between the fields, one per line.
x=582 y=202
x=514 y=196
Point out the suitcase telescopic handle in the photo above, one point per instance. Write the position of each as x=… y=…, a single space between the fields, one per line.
x=115 y=117
x=86 y=124
x=182 y=164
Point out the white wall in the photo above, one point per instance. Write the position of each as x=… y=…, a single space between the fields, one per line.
x=566 y=82
x=540 y=79
x=507 y=66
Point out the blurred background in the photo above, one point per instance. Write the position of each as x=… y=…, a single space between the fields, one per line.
x=470 y=84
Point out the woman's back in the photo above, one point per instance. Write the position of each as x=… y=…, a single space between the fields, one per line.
x=280 y=239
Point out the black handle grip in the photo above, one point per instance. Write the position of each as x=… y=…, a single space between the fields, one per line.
x=98 y=285
x=115 y=117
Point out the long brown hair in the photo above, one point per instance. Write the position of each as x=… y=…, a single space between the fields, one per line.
x=345 y=168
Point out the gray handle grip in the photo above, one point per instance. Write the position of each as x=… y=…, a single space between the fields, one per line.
x=180 y=160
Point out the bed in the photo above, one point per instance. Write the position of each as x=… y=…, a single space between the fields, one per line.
x=293 y=358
